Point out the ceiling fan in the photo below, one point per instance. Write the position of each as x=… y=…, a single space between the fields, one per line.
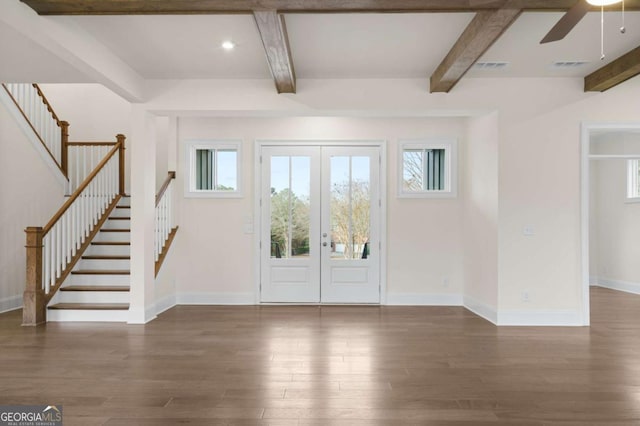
x=573 y=16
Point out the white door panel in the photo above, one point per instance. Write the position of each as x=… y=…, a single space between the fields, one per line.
x=351 y=220
x=290 y=261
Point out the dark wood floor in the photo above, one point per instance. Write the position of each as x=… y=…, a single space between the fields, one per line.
x=330 y=365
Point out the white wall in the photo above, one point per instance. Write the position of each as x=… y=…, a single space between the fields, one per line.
x=29 y=195
x=615 y=223
x=539 y=185
x=480 y=216
x=424 y=236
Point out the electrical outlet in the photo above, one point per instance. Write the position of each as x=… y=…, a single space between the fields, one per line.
x=525 y=296
x=445 y=282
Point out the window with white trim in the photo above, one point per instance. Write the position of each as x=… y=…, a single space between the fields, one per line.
x=633 y=180
x=213 y=169
x=427 y=169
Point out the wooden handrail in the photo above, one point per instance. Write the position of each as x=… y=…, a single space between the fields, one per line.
x=46 y=102
x=79 y=190
x=91 y=143
x=165 y=185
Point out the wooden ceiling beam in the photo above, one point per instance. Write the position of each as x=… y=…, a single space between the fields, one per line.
x=273 y=33
x=483 y=30
x=154 y=7
x=614 y=73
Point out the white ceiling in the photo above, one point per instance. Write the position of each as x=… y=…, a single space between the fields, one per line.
x=372 y=45
x=323 y=46
x=181 y=46
x=24 y=61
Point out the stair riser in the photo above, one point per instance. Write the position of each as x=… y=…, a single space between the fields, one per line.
x=125 y=201
x=117 y=224
x=120 y=213
x=108 y=251
x=72 y=315
x=103 y=264
x=81 y=279
x=112 y=237
x=93 y=297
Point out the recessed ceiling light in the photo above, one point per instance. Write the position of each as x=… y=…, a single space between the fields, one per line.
x=228 y=45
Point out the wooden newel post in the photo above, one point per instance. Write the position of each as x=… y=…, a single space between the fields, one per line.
x=64 y=146
x=34 y=310
x=121 y=139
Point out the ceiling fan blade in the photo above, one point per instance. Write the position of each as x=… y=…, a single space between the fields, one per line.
x=567 y=22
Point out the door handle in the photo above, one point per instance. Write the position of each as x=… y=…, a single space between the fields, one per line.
x=324 y=235
x=324 y=244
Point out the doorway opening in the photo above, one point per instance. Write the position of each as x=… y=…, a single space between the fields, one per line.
x=610 y=208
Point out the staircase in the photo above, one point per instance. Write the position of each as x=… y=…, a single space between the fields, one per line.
x=98 y=287
x=78 y=264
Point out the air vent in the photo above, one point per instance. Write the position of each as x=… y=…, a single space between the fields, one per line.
x=569 y=64
x=491 y=65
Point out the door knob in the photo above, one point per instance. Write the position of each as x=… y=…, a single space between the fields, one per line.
x=324 y=235
x=324 y=244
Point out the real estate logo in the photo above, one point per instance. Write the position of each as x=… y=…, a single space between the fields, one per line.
x=30 y=415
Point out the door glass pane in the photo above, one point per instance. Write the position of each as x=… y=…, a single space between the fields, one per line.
x=300 y=208
x=290 y=189
x=350 y=207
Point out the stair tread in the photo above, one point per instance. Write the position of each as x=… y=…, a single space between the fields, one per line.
x=123 y=207
x=119 y=218
x=111 y=243
x=106 y=257
x=101 y=272
x=95 y=288
x=91 y=306
x=115 y=230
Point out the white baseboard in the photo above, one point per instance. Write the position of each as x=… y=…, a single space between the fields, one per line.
x=165 y=303
x=10 y=303
x=481 y=309
x=422 y=299
x=559 y=317
x=215 y=299
x=626 y=286
x=141 y=316
x=593 y=280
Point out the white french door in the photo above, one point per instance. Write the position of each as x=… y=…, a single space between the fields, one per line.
x=320 y=222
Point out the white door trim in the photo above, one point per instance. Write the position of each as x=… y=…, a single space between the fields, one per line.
x=585 y=138
x=257 y=185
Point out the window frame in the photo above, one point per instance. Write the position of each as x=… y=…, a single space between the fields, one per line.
x=191 y=147
x=633 y=181
x=450 y=145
